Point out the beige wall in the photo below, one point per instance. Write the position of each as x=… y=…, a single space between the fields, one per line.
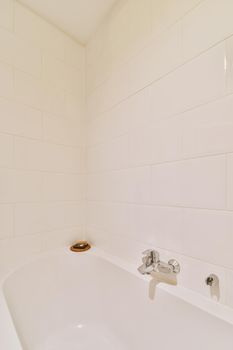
x=41 y=139
x=160 y=126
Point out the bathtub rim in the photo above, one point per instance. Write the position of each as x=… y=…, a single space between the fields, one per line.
x=10 y=340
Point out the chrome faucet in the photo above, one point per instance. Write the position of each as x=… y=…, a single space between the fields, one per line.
x=152 y=263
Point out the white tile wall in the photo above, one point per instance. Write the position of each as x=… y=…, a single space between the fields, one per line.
x=6 y=14
x=41 y=135
x=18 y=119
x=159 y=151
x=159 y=136
x=207 y=24
x=157 y=59
x=167 y=12
x=6 y=150
x=6 y=220
x=193 y=183
x=7 y=79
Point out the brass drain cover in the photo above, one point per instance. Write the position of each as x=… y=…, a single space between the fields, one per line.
x=80 y=246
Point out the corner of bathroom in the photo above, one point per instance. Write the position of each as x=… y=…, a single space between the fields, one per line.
x=116 y=174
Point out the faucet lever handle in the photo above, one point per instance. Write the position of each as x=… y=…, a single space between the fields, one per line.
x=152 y=254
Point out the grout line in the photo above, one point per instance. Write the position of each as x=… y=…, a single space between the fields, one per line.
x=226 y=182
x=159 y=205
x=168 y=117
x=153 y=39
x=185 y=62
x=155 y=164
x=41 y=232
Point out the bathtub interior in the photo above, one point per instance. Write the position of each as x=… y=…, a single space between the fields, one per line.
x=80 y=301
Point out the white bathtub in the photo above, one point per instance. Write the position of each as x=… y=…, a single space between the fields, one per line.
x=69 y=301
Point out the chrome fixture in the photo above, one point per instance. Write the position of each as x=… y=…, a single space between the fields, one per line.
x=212 y=280
x=152 y=263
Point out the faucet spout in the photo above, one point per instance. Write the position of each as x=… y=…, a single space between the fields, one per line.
x=150 y=260
x=145 y=270
x=152 y=263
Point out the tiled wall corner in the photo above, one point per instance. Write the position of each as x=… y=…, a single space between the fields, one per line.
x=159 y=136
x=41 y=135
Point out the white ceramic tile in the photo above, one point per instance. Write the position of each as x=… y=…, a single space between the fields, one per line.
x=116 y=88
x=119 y=40
x=207 y=235
x=6 y=220
x=138 y=109
x=20 y=53
x=202 y=30
x=27 y=57
x=157 y=142
x=36 y=155
x=112 y=124
x=54 y=71
x=117 y=121
x=108 y=217
x=18 y=186
x=208 y=129
x=6 y=150
x=63 y=76
x=111 y=186
x=29 y=154
x=167 y=12
x=29 y=90
x=95 y=47
x=157 y=226
x=7 y=46
x=230 y=181
x=60 y=215
x=93 y=104
x=108 y=156
x=157 y=59
x=20 y=249
x=6 y=14
x=6 y=80
x=120 y=186
x=20 y=120
x=74 y=106
x=4 y=267
x=193 y=84
x=62 y=159
x=139 y=183
x=192 y=183
x=141 y=145
x=74 y=53
x=63 y=186
x=229 y=287
x=74 y=80
x=62 y=131
x=95 y=186
x=61 y=238
x=54 y=99
x=50 y=110
x=27 y=186
x=29 y=219
x=229 y=65
x=140 y=27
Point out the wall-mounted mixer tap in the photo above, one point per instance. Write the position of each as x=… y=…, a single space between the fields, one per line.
x=152 y=263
